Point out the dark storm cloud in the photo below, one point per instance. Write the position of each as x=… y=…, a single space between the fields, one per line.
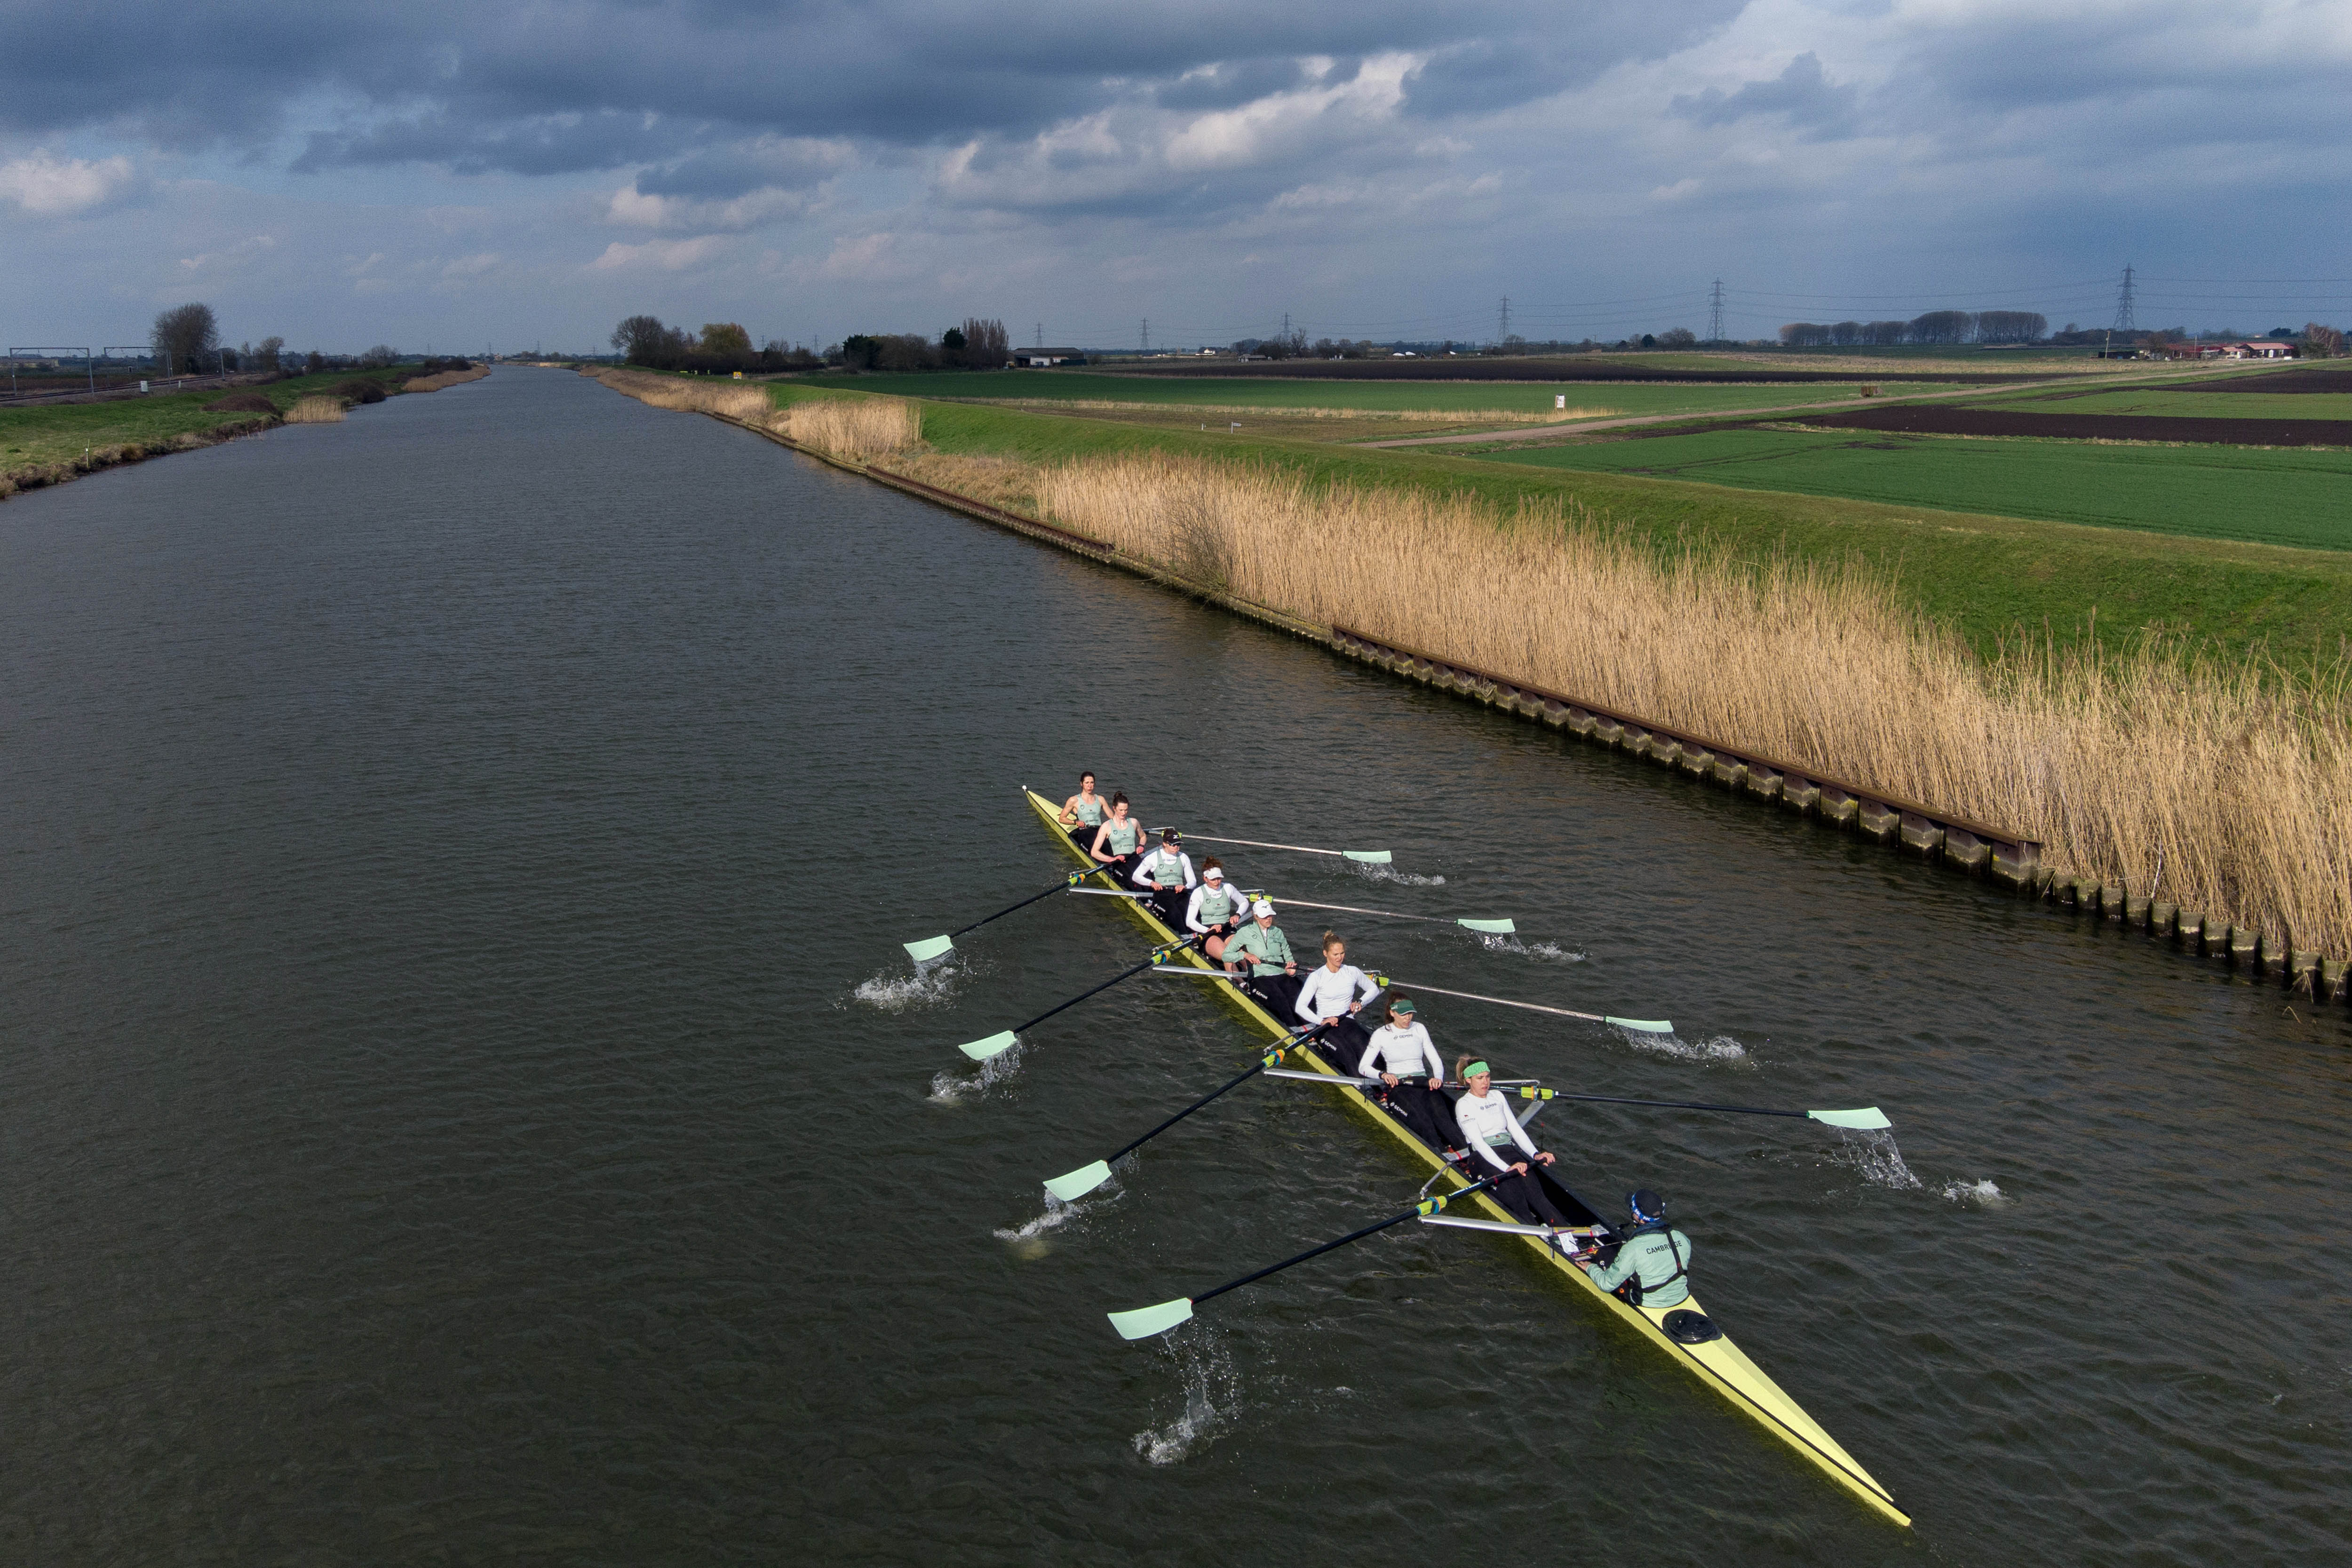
x=1801 y=95
x=571 y=85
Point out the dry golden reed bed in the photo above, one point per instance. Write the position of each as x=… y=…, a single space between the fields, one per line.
x=316 y=410
x=446 y=378
x=856 y=429
x=2223 y=788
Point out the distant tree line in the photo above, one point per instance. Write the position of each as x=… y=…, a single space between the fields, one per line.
x=978 y=344
x=1935 y=328
x=185 y=340
x=722 y=347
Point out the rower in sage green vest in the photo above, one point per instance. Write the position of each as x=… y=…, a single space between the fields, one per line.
x=1215 y=910
x=1083 y=812
x=1118 y=839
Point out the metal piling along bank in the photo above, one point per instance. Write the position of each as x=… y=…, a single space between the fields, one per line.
x=1974 y=848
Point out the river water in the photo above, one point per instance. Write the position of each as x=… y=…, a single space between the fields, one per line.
x=464 y=1100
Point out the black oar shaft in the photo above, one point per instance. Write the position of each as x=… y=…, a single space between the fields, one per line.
x=1125 y=974
x=1413 y=1213
x=1235 y=1082
x=1023 y=904
x=1671 y=1104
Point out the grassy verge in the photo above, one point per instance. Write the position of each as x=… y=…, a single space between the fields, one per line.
x=47 y=444
x=1983 y=575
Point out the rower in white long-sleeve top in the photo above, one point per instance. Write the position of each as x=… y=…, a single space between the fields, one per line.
x=1500 y=1148
x=1215 y=910
x=1332 y=996
x=1167 y=874
x=1405 y=1061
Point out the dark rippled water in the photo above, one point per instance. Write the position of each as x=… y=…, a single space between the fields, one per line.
x=463 y=1100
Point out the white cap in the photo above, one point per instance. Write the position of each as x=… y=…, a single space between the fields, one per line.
x=1212 y=873
x=1261 y=910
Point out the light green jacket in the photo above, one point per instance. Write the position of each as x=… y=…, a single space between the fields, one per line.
x=1269 y=949
x=1650 y=1254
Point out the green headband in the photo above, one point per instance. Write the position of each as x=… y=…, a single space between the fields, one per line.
x=1475 y=1069
x=1403 y=1004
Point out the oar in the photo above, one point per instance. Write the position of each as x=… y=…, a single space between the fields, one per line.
x=1349 y=1080
x=1869 y=1118
x=1647 y=1026
x=1369 y=857
x=1086 y=1178
x=1500 y=928
x=930 y=947
x=1145 y=1322
x=1005 y=1039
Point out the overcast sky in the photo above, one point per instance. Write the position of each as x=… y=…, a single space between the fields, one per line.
x=462 y=174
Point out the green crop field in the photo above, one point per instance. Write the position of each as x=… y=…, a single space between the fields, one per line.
x=1986 y=575
x=2300 y=498
x=1049 y=386
x=55 y=433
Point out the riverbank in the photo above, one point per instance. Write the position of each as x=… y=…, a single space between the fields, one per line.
x=52 y=444
x=2211 y=790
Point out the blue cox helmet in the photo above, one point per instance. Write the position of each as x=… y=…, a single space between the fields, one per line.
x=1648 y=1207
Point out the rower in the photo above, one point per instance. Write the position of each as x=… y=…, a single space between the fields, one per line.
x=1332 y=996
x=1500 y=1148
x=1214 y=912
x=1120 y=832
x=1274 y=973
x=1167 y=872
x=1083 y=812
x=1652 y=1267
x=1410 y=1072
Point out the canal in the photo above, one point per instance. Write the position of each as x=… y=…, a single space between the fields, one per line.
x=464 y=1098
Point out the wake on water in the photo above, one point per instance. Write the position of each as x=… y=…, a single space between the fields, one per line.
x=1029 y=1240
x=1551 y=952
x=1879 y=1160
x=948 y=1088
x=1212 y=1397
x=930 y=984
x=1390 y=874
x=1715 y=1048
x=1981 y=1194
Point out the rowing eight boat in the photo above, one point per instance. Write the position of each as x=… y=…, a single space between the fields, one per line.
x=1714 y=1361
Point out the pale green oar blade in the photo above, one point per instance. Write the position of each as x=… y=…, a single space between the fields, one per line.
x=1146 y=1321
x=981 y=1050
x=1500 y=928
x=1369 y=857
x=930 y=948
x=1647 y=1026
x=1869 y=1118
x=1079 y=1183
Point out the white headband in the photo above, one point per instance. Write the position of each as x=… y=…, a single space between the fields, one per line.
x=1213 y=873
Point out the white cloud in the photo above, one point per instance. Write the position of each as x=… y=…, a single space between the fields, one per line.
x=661 y=255
x=635 y=209
x=471 y=266
x=51 y=187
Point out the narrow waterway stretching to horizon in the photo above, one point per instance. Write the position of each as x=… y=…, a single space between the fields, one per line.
x=464 y=1098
